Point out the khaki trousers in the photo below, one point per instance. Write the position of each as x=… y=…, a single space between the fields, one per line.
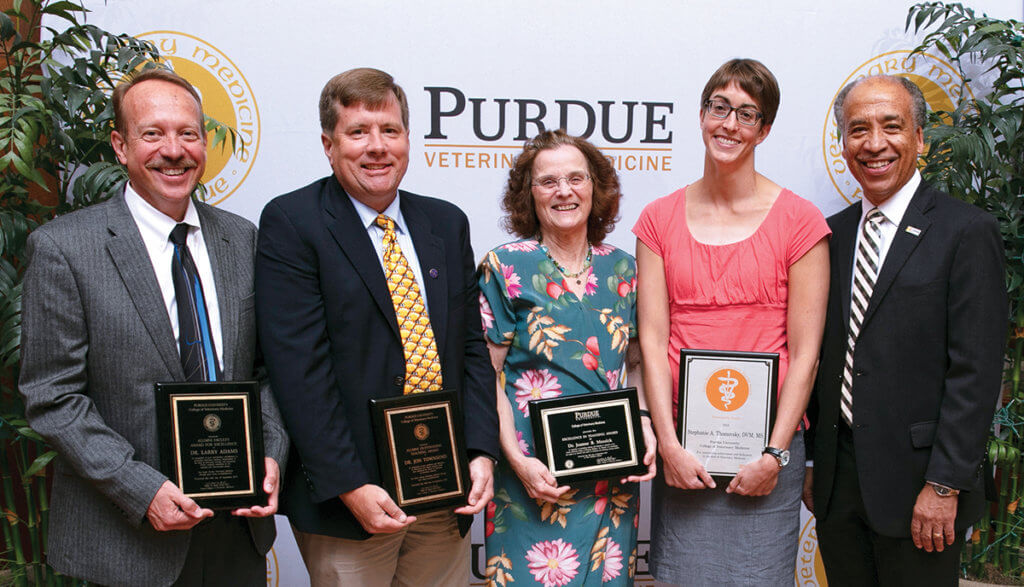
x=430 y=552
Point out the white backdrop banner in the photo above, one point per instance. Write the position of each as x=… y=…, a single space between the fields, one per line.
x=482 y=77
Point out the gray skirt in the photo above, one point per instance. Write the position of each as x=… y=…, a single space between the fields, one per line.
x=709 y=537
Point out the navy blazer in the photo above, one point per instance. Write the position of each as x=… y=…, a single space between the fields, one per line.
x=927 y=364
x=330 y=337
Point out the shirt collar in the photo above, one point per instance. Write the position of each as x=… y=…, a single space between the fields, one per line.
x=153 y=220
x=896 y=206
x=368 y=216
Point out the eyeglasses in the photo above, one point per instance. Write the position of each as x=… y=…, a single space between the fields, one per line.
x=550 y=184
x=744 y=114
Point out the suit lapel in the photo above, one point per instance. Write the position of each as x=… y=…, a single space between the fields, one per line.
x=226 y=282
x=348 y=231
x=133 y=264
x=430 y=251
x=903 y=245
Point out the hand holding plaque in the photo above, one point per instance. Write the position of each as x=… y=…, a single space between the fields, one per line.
x=589 y=436
x=727 y=404
x=421 y=450
x=211 y=441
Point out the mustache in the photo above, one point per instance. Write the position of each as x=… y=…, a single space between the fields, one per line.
x=186 y=162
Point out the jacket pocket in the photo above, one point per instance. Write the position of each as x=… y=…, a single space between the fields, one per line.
x=922 y=434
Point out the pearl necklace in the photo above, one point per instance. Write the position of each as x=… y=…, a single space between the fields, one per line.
x=579 y=274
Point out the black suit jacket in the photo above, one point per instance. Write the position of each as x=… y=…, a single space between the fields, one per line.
x=331 y=342
x=927 y=364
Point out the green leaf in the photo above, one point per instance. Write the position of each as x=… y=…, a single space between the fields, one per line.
x=518 y=511
x=98 y=182
x=30 y=433
x=539 y=283
x=14 y=228
x=7 y=28
x=63 y=10
x=221 y=132
x=16 y=421
x=621 y=266
x=40 y=463
x=30 y=173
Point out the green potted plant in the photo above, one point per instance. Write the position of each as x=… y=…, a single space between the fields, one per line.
x=55 y=157
x=976 y=153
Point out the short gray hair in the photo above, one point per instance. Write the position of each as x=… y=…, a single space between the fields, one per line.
x=918 y=106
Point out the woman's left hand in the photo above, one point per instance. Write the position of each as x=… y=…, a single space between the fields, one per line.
x=756 y=477
x=650 y=455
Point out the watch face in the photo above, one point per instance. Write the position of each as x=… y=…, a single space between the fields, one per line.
x=784 y=458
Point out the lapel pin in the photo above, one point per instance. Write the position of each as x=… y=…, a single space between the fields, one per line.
x=913 y=230
x=433 y=272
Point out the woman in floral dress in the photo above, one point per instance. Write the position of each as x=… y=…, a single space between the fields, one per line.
x=559 y=311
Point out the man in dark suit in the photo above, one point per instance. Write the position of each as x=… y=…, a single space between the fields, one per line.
x=100 y=328
x=333 y=341
x=911 y=359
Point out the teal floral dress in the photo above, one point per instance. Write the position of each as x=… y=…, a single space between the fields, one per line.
x=559 y=345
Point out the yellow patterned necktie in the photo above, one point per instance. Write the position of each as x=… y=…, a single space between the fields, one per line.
x=422 y=368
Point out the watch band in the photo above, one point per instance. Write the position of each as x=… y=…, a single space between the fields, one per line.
x=943 y=490
x=782 y=456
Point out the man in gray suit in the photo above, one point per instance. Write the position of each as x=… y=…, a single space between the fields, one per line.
x=100 y=327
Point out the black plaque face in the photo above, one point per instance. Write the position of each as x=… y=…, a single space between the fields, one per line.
x=211 y=442
x=591 y=436
x=420 y=450
x=727 y=404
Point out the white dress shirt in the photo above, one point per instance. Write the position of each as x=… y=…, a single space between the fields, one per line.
x=155 y=228
x=893 y=210
x=368 y=216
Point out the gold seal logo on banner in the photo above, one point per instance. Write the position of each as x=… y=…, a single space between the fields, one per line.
x=227 y=97
x=939 y=82
x=810 y=571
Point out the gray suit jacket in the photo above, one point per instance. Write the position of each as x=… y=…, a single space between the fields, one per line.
x=95 y=338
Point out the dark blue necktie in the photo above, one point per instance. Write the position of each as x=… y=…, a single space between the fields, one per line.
x=195 y=339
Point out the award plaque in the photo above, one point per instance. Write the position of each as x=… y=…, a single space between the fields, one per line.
x=589 y=436
x=727 y=403
x=211 y=441
x=421 y=450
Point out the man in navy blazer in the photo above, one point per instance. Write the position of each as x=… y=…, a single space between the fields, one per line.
x=331 y=339
x=898 y=473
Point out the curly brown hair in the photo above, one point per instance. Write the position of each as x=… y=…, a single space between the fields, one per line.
x=517 y=201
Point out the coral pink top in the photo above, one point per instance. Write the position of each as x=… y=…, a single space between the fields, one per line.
x=729 y=297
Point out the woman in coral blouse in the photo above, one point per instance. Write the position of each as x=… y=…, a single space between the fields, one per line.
x=731 y=262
